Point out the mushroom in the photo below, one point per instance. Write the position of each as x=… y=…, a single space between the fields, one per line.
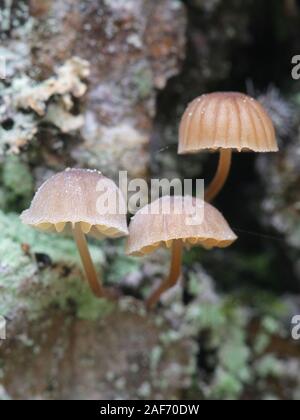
x=170 y=222
x=225 y=121
x=68 y=201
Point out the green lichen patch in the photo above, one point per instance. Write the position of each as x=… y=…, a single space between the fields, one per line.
x=18 y=184
x=38 y=270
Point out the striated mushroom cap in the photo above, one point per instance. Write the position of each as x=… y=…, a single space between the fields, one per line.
x=150 y=228
x=71 y=197
x=226 y=120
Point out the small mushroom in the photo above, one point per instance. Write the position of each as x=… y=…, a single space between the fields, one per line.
x=225 y=121
x=170 y=222
x=68 y=201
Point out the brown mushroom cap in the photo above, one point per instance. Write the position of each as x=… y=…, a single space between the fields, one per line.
x=71 y=197
x=149 y=231
x=226 y=120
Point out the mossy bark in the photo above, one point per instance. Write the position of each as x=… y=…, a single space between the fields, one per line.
x=62 y=342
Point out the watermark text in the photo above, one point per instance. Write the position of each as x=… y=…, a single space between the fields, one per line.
x=135 y=195
x=296 y=327
x=296 y=67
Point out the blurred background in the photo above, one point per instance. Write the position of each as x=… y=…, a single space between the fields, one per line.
x=103 y=84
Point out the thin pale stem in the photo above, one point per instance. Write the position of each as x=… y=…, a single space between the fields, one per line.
x=221 y=175
x=171 y=280
x=94 y=282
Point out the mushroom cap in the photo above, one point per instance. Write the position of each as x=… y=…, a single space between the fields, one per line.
x=70 y=197
x=151 y=228
x=226 y=120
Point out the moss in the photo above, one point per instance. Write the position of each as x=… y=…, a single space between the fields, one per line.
x=261 y=343
x=143 y=81
x=268 y=366
x=220 y=324
x=122 y=267
x=206 y=316
x=3 y=199
x=18 y=183
x=91 y=308
x=235 y=355
x=226 y=386
x=26 y=284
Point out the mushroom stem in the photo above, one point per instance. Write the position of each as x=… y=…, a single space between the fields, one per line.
x=221 y=175
x=95 y=284
x=171 y=280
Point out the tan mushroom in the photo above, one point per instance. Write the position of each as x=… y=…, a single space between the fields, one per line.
x=225 y=121
x=68 y=201
x=175 y=222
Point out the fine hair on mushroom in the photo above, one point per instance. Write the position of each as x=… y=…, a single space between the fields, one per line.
x=68 y=202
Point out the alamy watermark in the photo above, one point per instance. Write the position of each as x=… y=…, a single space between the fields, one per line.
x=2 y=328
x=134 y=195
x=296 y=327
x=296 y=67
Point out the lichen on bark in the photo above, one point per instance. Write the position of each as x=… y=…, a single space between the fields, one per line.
x=102 y=84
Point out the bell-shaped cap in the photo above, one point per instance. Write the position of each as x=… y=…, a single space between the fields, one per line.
x=191 y=220
x=78 y=196
x=226 y=120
